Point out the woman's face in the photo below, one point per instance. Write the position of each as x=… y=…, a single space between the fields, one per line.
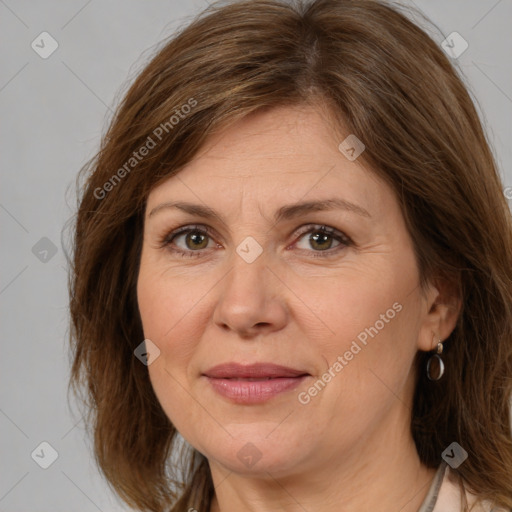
x=341 y=309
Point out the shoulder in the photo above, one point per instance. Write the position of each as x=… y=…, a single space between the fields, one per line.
x=452 y=497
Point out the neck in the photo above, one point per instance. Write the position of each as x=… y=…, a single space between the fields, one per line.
x=380 y=472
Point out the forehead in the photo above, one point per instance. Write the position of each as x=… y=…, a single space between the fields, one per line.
x=281 y=136
x=287 y=153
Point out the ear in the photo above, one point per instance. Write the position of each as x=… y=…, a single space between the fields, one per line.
x=442 y=305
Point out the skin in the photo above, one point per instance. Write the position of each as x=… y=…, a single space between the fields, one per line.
x=349 y=448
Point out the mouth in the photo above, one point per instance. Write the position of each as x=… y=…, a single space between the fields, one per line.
x=256 y=371
x=251 y=384
x=253 y=379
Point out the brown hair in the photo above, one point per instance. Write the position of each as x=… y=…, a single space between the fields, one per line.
x=377 y=75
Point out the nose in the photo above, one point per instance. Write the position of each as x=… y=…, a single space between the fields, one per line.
x=251 y=299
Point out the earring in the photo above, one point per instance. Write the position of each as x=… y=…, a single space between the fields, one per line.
x=436 y=362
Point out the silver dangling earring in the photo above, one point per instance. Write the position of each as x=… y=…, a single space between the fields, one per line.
x=436 y=361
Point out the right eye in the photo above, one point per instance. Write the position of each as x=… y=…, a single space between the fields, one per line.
x=193 y=239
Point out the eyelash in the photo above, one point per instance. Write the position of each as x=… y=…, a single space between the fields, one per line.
x=205 y=230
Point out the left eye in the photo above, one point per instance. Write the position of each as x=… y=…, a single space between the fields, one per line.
x=321 y=238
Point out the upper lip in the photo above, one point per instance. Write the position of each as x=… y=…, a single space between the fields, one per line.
x=257 y=370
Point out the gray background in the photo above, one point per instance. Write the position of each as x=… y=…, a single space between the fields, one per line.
x=53 y=112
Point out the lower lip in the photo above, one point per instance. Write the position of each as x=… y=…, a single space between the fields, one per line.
x=256 y=391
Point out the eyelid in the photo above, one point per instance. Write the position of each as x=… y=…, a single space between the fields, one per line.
x=168 y=237
x=323 y=228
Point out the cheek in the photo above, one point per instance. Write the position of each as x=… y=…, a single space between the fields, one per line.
x=164 y=301
x=373 y=324
x=354 y=308
x=173 y=315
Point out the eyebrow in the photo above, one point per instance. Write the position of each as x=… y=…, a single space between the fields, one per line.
x=286 y=212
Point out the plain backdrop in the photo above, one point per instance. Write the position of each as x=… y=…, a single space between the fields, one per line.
x=53 y=111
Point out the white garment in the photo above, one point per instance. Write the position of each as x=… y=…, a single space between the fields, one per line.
x=445 y=495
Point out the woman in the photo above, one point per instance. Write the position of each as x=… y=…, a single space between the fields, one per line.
x=292 y=275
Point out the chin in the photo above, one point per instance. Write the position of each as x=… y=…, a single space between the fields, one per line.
x=253 y=451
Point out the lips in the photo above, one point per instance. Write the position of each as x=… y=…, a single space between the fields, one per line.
x=258 y=371
x=255 y=383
